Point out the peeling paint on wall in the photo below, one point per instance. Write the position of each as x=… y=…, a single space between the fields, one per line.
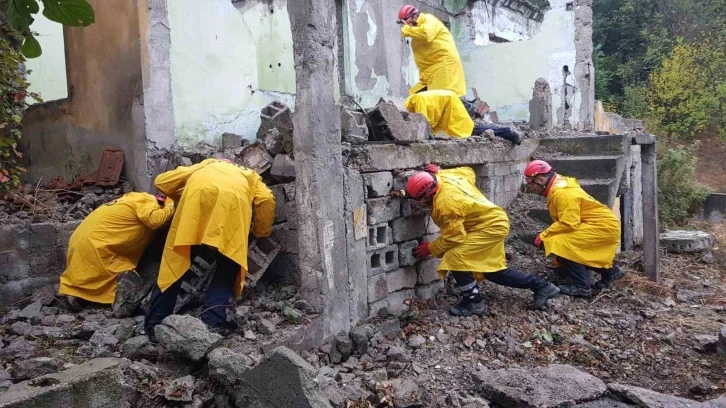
x=372 y=30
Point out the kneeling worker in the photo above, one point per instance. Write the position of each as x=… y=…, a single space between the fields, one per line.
x=109 y=242
x=446 y=113
x=471 y=245
x=585 y=233
x=215 y=204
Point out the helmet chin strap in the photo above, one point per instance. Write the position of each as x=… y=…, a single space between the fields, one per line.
x=548 y=184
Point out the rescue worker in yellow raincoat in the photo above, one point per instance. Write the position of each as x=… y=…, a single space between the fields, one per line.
x=434 y=51
x=109 y=242
x=446 y=113
x=471 y=245
x=585 y=233
x=215 y=201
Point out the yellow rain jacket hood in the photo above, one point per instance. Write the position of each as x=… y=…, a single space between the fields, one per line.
x=584 y=230
x=436 y=56
x=215 y=200
x=443 y=110
x=110 y=241
x=473 y=228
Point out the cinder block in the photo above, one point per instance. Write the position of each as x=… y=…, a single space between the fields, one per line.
x=353 y=127
x=48 y=262
x=377 y=287
x=261 y=253
x=283 y=168
x=383 y=209
x=382 y=260
x=403 y=278
x=231 y=141
x=419 y=126
x=431 y=227
x=256 y=157
x=374 y=307
x=377 y=184
x=275 y=115
x=409 y=209
x=388 y=123
x=430 y=237
x=405 y=253
x=407 y=229
x=379 y=236
x=428 y=270
x=43 y=235
x=397 y=300
x=15 y=265
x=426 y=292
x=400 y=179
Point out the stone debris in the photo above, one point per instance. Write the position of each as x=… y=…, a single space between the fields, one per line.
x=134 y=287
x=651 y=399
x=540 y=107
x=231 y=141
x=353 y=126
x=686 y=241
x=276 y=115
x=545 y=387
x=283 y=168
x=35 y=367
x=227 y=366
x=388 y=123
x=138 y=347
x=187 y=336
x=31 y=311
x=180 y=390
x=256 y=157
x=722 y=342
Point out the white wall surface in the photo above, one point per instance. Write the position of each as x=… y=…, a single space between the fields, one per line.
x=47 y=73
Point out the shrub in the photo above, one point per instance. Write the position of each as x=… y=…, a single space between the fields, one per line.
x=679 y=194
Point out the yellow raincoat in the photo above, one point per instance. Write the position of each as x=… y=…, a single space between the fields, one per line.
x=584 y=230
x=436 y=56
x=473 y=228
x=444 y=111
x=215 y=200
x=110 y=241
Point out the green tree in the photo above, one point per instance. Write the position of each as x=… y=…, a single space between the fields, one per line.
x=678 y=192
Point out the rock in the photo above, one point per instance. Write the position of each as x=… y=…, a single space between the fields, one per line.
x=361 y=337
x=722 y=342
x=31 y=311
x=442 y=337
x=706 y=343
x=670 y=338
x=35 y=367
x=543 y=387
x=341 y=349
x=250 y=335
x=405 y=393
x=45 y=295
x=25 y=329
x=227 y=366
x=262 y=384
x=707 y=258
x=390 y=328
x=265 y=326
x=18 y=348
x=273 y=141
x=303 y=305
x=180 y=390
x=416 y=341
x=292 y=314
x=231 y=141
x=603 y=403
x=137 y=348
x=256 y=157
x=65 y=319
x=701 y=386
x=126 y=330
x=396 y=353
x=5 y=380
x=650 y=399
x=134 y=287
x=187 y=336
x=283 y=168
x=103 y=338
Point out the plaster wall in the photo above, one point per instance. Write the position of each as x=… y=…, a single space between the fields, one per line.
x=228 y=62
x=504 y=73
x=104 y=107
x=47 y=73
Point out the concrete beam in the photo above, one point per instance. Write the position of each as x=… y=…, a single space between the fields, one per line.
x=387 y=157
x=320 y=176
x=651 y=229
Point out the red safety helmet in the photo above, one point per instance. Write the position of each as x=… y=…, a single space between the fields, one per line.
x=535 y=168
x=421 y=185
x=407 y=12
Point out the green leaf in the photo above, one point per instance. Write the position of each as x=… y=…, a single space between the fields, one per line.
x=69 y=12
x=31 y=47
x=527 y=344
x=19 y=13
x=547 y=336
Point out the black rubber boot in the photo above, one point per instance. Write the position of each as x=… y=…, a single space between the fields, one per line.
x=576 y=291
x=469 y=305
x=609 y=277
x=543 y=294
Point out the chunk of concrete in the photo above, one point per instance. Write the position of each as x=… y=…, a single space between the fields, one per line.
x=650 y=399
x=283 y=168
x=227 y=366
x=45 y=295
x=686 y=241
x=93 y=384
x=426 y=292
x=138 y=347
x=260 y=254
x=377 y=184
x=721 y=348
x=35 y=367
x=262 y=384
x=604 y=403
x=31 y=311
x=388 y=123
x=540 y=107
x=187 y=336
x=276 y=115
x=256 y=157
x=383 y=209
x=133 y=287
x=552 y=386
x=231 y=141
x=402 y=278
x=273 y=142
x=419 y=126
x=428 y=270
x=353 y=126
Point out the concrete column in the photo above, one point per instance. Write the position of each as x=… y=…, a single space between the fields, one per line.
x=584 y=67
x=651 y=233
x=318 y=164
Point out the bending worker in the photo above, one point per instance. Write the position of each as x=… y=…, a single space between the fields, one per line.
x=471 y=244
x=215 y=202
x=434 y=51
x=585 y=233
x=109 y=242
x=446 y=113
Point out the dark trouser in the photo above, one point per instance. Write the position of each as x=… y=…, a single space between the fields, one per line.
x=216 y=301
x=579 y=273
x=499 y=131
x=509 y=277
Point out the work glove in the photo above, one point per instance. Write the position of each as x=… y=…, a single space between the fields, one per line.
x=422 y=250
x=432 y=168
x=538 y=242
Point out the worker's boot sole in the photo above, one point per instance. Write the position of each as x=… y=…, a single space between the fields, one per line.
x=576 y=292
